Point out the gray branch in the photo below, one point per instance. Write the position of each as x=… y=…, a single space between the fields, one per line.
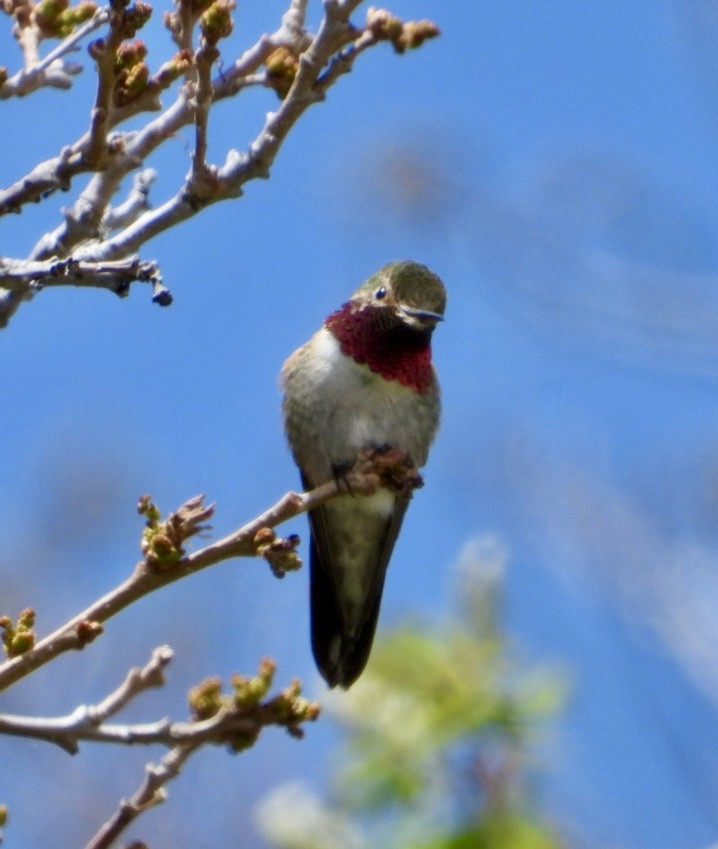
x=217 y=184
x=235 y=720
x=87 y=722
x=247 y=541
x=150 y=793
x=53 y=70
x=93 y=232
x=84 y=723
x=22 y=278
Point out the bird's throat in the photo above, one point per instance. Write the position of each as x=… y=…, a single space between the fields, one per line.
x=378 y=338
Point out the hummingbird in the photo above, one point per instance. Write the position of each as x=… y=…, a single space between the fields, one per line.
x=363 y=382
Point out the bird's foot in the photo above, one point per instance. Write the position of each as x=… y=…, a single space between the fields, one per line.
x=382 y=466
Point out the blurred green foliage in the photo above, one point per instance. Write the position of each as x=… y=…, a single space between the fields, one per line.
x=444 y=732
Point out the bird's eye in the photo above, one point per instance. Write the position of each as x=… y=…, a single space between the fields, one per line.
x=380 y=293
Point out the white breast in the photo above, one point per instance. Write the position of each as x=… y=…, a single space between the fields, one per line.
x=347 y=407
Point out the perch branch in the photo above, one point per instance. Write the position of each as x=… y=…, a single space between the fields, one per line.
x=247 y=541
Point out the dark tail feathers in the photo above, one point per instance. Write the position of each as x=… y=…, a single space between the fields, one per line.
x=340 y=657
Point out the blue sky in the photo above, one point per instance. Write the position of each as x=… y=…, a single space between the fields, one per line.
x=555 y=164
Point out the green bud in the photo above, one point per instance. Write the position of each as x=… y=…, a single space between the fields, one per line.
x=282 y=65
x=206 y=698
x=216 y=21
x=70 y=18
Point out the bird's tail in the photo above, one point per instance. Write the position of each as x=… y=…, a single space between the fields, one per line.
x=340 y=655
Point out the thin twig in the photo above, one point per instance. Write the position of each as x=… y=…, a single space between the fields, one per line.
x=232 y=720
x=18 y=275
x=150 y=793
x=134 y=205
x=71 y=42
x=235 y=720
x=87 y=722
x=104 y=52
x=35 y=75
x=204 y=59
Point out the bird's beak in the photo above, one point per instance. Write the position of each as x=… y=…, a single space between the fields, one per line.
x=424 y=316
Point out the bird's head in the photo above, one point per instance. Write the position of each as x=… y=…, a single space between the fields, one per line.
x=406 y=290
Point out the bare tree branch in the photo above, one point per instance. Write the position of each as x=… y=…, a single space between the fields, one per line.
x=96 y=244
x=19 y=276
x=239 y=718
x=134 y=205
x=300 y=67
x=52 y=70
x=65 y=731
x=104 y=52
x=216 y=184
x=235 y=719
x=150 y=793
x=254 y=538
